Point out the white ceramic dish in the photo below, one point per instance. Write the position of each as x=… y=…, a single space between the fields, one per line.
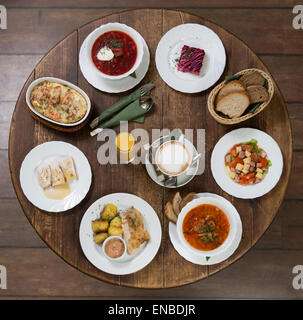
x=226 y=249
x=130 y=263
x=231 y=218
x=93 y=36
x=194 y=35
x=267 y=143
x=47 y=152
x=107 y=85
x=63 y=82
x=122 y=257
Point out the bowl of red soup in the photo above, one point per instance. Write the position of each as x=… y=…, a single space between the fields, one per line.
x=115 y=50
x=207 y=226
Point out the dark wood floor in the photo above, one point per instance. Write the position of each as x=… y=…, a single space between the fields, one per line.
x=34 y=271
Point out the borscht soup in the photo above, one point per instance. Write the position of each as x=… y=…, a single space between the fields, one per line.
x=114 y=53
x=205 y=227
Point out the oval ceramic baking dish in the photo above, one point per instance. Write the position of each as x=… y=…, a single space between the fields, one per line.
x=64 y=83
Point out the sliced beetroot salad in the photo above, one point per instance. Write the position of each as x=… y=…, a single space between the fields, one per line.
x=191 y=60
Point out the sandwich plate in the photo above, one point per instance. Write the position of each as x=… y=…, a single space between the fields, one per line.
x=46 y=152
x=267 y=143
x=133 y=263
x=193 y=35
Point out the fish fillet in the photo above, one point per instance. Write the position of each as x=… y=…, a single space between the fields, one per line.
x=134 y=233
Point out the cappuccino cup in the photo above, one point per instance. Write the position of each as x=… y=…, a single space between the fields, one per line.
x=173 y=157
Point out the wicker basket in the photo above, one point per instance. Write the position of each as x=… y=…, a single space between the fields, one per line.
x=213 y=95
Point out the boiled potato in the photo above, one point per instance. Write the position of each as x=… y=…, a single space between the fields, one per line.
x=109 y=212
x=100 y=237
x=116 y=222
x=99 y=226
x=114 y=231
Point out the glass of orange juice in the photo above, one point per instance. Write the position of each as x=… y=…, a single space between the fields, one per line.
x=125 y=143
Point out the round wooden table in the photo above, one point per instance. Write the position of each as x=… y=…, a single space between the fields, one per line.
x=173 y=110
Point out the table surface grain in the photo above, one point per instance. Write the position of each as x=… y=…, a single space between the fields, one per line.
x=266 y=270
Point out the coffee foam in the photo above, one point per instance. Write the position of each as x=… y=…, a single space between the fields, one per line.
x=173 y=157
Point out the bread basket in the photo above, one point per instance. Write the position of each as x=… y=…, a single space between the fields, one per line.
x=225 y=120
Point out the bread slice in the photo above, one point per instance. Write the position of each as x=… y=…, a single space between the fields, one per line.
x=187 y=199
x=257 y=93
x=233 y=104
x=253 y=78
x=234 y=85
x=176 y=203
x=169 y=212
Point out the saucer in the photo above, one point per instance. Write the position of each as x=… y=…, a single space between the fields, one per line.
x=112 y=86
x=207 y=260
x=182 y=179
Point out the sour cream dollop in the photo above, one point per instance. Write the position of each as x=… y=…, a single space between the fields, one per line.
x=105 y=54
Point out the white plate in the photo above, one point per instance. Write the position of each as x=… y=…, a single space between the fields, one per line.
x=131 y=264
x=220 y=256
x=63 y=82
x=49 y=151
x=194 y=35
x=92 y=75
x=267 y=143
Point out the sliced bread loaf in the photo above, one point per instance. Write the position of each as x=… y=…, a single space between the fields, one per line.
x=233 y=104
x=188 y=198
x=234 y=85
x=176 y=203
x=169 y=212
x=257 y=93
x=253 y=78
